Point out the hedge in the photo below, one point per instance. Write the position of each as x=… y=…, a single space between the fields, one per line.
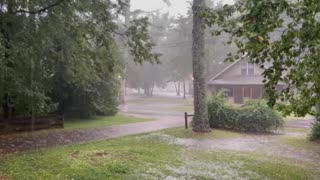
x=253 y=116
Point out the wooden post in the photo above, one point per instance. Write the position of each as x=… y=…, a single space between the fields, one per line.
x=186 y=119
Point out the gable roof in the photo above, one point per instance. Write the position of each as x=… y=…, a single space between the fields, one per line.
x=225 y=70
x=238 y=80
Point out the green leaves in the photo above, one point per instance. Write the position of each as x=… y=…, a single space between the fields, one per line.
x=65 y=56
x=285 y=33
x=140 y=42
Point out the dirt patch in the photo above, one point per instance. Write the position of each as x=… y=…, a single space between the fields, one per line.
x=101 y=154
x=4 y=177
x=74 y=154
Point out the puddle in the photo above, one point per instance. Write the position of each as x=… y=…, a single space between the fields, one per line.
x=237 y=144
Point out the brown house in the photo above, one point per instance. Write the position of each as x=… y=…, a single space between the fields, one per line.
x=240 y=81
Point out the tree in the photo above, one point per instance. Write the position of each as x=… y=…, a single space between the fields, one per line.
x=200 y=121
x=285 y=34
x=64 y=56
x=147 y=76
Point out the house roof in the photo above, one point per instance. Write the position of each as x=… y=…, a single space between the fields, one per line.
x=223 y=71
x=237 y=80
x=241 y=80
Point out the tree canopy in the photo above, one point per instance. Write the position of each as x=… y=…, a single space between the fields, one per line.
x=63 y=55
x=283 y=34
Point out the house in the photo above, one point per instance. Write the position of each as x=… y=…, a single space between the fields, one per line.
x=240 y=81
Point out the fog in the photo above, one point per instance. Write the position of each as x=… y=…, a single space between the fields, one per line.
x=170 y=29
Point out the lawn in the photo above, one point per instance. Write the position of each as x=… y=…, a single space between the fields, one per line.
x=187 y=134
x=184 y=108
x=148 y=100
x=147 y=156
x=301 y=142
x=101 y=121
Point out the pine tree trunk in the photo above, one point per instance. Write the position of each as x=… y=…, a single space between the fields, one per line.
x=200 y=121
x=184 y=89
x=126 y=53
x=178 y=93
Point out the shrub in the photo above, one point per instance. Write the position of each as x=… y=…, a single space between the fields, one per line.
x=219 y=114
x=315 y=133
x=253 y=116
x=257 y=116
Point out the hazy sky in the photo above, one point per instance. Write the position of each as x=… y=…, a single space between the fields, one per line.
x=177 y=6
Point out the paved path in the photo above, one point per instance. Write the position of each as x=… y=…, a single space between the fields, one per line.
x=164 y=114
x=26 y=141
x=164 y=118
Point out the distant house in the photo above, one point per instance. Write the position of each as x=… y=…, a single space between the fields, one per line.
x=240 y=81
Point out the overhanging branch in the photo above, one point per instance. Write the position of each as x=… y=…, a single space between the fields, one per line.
x=39 y=10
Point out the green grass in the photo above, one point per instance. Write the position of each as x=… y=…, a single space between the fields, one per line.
x=184 y=108
x=101 y=121
x=294 y=117
x=252 y=166
x=144 y=157
x=300 y=142
x=160 y=100
x=298 y=130
x=125 y=158
x=188 y=133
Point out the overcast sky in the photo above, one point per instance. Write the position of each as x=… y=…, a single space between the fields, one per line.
x=178 y=7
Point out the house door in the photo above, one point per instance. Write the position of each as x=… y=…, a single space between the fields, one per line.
x=247 y=92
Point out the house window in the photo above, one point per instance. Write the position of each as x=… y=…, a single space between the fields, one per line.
x=244 y=69
x=247 y=69
x=250 y=69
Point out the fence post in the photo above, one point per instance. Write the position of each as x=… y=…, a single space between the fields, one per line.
x=186 y=119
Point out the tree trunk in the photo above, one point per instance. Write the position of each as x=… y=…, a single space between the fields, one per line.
x=126 y=53
x=7 y=31
x=184 y=89
x=200 y=121
x=175 y=86
x=151 y=91
x=178 y=94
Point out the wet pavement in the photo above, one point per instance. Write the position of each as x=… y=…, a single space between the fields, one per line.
x=163 y=114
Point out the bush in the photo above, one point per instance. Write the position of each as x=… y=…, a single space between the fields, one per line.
x=220 y=116
x=253 y=116
x=315 y=133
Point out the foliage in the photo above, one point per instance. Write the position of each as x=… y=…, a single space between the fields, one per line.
x=147 y=76
x=220 y=116
x=253 y=116
x=257 y=116
x=64 y=56
x=284 y=33
x=315 y=134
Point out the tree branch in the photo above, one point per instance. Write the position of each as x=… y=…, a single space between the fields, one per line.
x=119 y=33
x=40 y=10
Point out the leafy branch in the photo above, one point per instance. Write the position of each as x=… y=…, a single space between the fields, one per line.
x=44 y=9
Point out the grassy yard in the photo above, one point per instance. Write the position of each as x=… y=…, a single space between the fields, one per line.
x=300 y=143
x=148 y=156
x=160 y=100
x=101 y=121
x=184 y=108
x=187 y=133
